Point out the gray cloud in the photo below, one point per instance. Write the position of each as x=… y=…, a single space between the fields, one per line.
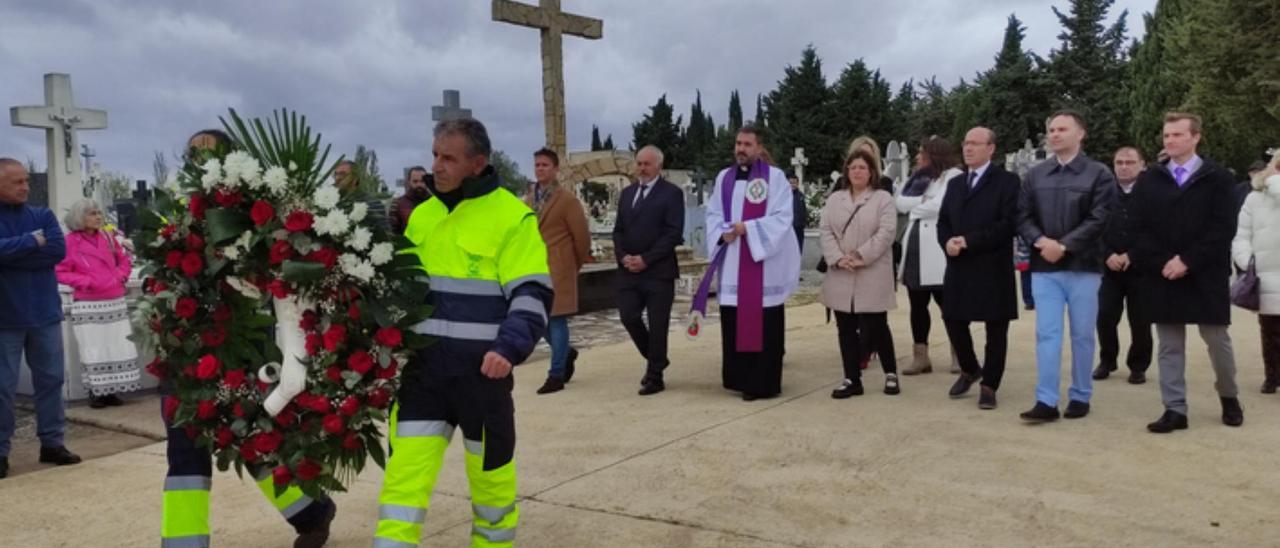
x=368 y=72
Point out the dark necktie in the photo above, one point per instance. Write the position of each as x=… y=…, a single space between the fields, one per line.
x=644 y=189
x=973 y=179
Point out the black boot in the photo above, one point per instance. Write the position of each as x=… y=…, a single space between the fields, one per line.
x=553 y=384
x=568 y=364
x=58 y=455
x=316 y=538
x=98 y=402
x=1232 y=413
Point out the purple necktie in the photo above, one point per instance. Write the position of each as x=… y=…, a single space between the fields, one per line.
x=1180 y=175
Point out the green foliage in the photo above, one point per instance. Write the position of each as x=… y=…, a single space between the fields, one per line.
x=369 y=177
x=800 y=114
x=661 y=128
x=509 y=175
x=1088 y=72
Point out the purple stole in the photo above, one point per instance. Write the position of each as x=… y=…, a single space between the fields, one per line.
x=750 y=328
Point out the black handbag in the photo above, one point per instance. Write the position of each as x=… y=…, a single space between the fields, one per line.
x=822 y=262
x=1245 y=291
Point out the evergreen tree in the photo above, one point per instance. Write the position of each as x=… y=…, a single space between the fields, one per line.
x=1088 y=73
x=662 y=129
x=1153 y=88
x=1012 y=98
x=799 y=114
x=861 y=105
x=608 y=143
x=509 y=175
x=900 y=113
x=760 y=120
x=699 y=138
x=932 y=113
x=735 y=111
x=595 y=139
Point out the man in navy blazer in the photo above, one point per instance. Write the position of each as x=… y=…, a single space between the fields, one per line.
x=649 y=226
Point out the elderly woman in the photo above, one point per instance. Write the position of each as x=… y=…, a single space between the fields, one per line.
x=858 y=224
x=1258 y=239
x=97 y=267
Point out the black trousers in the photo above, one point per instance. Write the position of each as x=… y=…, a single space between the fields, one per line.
x=1270 y=326
x=481 y=407
x=920 y=321
x=862 y=334
x=654 y=297
x=1118 y=289
x=994 y=355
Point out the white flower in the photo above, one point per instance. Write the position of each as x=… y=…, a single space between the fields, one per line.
x=245 y=288
x=359 y=211
x=231 y=253
x=348 y=262
x=241 y=167
x=276 y=179
x=335 y=223
x=363 y=271
x=360 y=239
x=382 y=253
x=327 y=197
x=212 y=173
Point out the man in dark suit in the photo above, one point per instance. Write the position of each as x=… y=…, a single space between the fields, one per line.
x=976 y=228
x=800 y=211
x=1120 y=285
x=649 y=226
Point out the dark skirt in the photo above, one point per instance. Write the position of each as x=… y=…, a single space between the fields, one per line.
x=754 y=373
x=911 y=270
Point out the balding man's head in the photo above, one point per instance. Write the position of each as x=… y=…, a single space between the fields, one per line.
x=15 y=183
x=649 y=163
x=979 y=146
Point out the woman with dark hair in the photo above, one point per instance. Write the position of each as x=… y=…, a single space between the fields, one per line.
x=857 y=228
x=923 y=260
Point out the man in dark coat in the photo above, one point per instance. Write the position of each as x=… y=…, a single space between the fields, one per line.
x=1120 y=283
x=1183 y=222
x=976 y=228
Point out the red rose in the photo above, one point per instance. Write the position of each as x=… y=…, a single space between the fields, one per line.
x=267 y=442
x=222 y=313
x=389 y=337
x=206 y=410
x=312 y=402
x=334 y=424
x=278 y=288
x=197 y=205
x=336 y=335
x=360 y=362
x=224 y=437
x=189 y=371
x=226 y=199
x=170 y=408
x=208 y=367
x=195 y=242
x=353 y=312
x=314 y=343
x=286 y=416
x=309 y=470
x=156 y=369
x=185 y=308
x=281 y=251
x=388 y=372
x=349 y=406
x=214 y=337
x=281 y=475
x=334 y=374
x=310 y=320
x=173 y=259
x=237 y=410
x=234 y=378
x=298 y=221
x=168 y=230
x=158 y=287
x=248 y=453
x=192 y=264
x=352 y=441
x=262 y=213
x=379 y=398
x=324 y=255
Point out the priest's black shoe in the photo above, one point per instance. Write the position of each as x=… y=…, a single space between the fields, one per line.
x=553 y=384
x=58 y=455
x=1102 y=372
x=1169 y=421
x=98 y=402
x=1076 y=410
x=963 y=383
x=1137 y=377
x=569 y=364
x=1042 y=412
x=848 y=388
x=1232 y=413
x=316 y=538
x=4 y=467
x=652 y=387
x=987 y=399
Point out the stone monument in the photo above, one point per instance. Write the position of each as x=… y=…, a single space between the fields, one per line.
x=60 y=119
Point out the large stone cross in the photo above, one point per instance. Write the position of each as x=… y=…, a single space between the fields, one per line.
x=553 y=23
x=798 y=162
x=452 y=108
x=60 y=119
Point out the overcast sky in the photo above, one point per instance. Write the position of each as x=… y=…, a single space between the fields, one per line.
x=368 y=72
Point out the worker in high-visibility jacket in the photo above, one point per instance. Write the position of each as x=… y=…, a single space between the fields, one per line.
x=491 y=293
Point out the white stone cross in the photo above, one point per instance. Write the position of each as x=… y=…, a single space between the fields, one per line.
x=60 y=119
x=452 y=108
x=798 y=162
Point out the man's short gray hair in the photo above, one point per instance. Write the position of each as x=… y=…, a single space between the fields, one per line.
x=470 y=129
x=662 y=158
x=77 y=212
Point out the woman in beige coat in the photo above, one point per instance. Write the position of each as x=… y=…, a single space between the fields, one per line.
x=858 y=226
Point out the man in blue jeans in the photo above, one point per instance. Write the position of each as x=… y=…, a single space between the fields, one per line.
x=31 y=244
x=1062 y=210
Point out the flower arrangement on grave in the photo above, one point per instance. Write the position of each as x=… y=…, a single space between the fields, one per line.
x=279 y=313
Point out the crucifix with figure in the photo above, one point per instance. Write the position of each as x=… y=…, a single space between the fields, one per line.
x=554 y=24
x=60 y=119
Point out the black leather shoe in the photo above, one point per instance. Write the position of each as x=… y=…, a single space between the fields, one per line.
x=1268 y=387
x=569 y=364
x=1232 y=413
x=652 y=387
x=962 y=385
x=316 y=538
x=987 y=399
x=553 y=384
x=4 y=467
x=1169 y=421
x=1137 y=377
x=97 y=402
x=1076 y=410
x=1102 y=372
x=58 y=455
x=848 y=388
x=114 y=400
x=891 y=386
x=1042 y=412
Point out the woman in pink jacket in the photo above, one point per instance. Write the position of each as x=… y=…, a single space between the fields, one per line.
x=97 y=267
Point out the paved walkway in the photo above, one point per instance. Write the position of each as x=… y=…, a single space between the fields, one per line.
x=697 y=467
